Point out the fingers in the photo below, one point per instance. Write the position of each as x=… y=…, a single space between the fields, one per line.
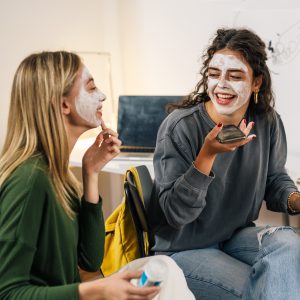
x=250 y=138
x=243 y=125
x=143 y=291
x=234 y=146
x=214 y=146
x=248 y=128
x=108 y=132
x=215 y=131
x=245 y=141
x=113 y=140
x=113 y=144
x=134 y=292
x=99 y=140
x=128 y=275
x=113 y=149
x=104 y=132
x=103 y=126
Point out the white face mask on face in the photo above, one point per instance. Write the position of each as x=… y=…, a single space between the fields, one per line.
x=228 y=95
x=88 y=104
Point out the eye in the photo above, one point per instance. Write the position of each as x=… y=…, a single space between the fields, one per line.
x=91 y=87
x=235 y=77
x=213 y=75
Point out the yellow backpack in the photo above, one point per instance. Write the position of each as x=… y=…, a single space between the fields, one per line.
x=121 y=239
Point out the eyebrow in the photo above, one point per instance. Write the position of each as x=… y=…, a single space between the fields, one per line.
x=212 y=68
x=229 y=70
x=236 y=70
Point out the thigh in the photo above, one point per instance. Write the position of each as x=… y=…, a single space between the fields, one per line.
x=244 y=245
x=212 y=274
x=251 y=243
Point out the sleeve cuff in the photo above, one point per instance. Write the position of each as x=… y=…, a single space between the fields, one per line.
x=88 y=205
x=91 y=209
x=284 y=203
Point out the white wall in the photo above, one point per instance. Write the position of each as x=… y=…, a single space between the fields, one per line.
x=162 y=43
x=155 y=46
x=73 y=25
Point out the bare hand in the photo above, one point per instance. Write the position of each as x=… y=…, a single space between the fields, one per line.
x=117 y=287
x=105 y=148
x=212 y=146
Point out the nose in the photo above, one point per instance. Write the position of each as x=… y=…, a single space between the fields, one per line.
x=102 y=97
x=222 y=82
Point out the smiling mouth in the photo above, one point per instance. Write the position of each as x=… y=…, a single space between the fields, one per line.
x=224 y=99
x=99 y=111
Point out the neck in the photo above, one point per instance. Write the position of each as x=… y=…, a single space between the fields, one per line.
x=73 y=133
x=234 y=118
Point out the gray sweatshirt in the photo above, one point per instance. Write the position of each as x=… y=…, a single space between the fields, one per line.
x=191 y=210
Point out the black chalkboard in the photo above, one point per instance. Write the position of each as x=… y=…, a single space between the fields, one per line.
x=139 y=118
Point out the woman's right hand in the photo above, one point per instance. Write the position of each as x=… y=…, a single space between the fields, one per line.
x=211 y=146
x=116 y=287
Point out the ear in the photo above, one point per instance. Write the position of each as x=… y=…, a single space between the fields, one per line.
x=66 y=107
x=257 y=82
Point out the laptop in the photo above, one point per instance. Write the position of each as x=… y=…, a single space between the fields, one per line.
x=139 y=118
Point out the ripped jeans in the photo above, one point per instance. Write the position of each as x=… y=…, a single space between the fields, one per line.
x=255 y=264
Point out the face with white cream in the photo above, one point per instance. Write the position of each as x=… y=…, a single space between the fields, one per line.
x=88 y=103
x=230 y=81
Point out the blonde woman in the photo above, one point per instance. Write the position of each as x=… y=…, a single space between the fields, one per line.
x=46 y=230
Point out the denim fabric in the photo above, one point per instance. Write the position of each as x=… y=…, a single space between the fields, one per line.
x=255 y=264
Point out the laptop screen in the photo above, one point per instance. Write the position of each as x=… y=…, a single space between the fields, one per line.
x=139 y=118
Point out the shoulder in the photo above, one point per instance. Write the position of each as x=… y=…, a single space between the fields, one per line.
x=26 y=182
x=270 y=128
x=179 y=119
x=23 y=198
x=32 y=170
x=273 y=122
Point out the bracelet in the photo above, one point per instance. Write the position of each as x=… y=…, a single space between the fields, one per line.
x=291 y=209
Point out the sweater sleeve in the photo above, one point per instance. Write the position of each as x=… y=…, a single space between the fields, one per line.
x=20 y=220
x=279 y=184
x=182 y=188
x=91 y=236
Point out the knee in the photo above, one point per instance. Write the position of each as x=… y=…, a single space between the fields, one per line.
x=283 y=239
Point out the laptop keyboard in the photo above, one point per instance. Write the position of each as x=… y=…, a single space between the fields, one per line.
x=137 y=149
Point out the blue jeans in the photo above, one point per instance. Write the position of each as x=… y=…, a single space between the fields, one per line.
x=255 y=264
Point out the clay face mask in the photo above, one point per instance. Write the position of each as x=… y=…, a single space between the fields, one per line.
x=229 y=83
x=89 y=104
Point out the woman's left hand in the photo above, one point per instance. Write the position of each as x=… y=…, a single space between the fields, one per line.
x=105 y=148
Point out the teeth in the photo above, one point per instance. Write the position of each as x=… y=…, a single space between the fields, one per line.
x=224 y=96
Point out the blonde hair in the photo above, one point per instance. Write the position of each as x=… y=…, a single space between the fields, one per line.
x=35 y=121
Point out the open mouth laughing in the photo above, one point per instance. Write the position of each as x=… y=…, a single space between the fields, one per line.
x=224 y=98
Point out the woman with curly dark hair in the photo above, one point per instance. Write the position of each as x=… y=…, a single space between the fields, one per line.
x=210 y=183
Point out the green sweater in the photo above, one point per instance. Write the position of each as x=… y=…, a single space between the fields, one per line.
x=40 y=246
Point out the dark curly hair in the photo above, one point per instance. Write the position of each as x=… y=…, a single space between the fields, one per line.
x=253 y=50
